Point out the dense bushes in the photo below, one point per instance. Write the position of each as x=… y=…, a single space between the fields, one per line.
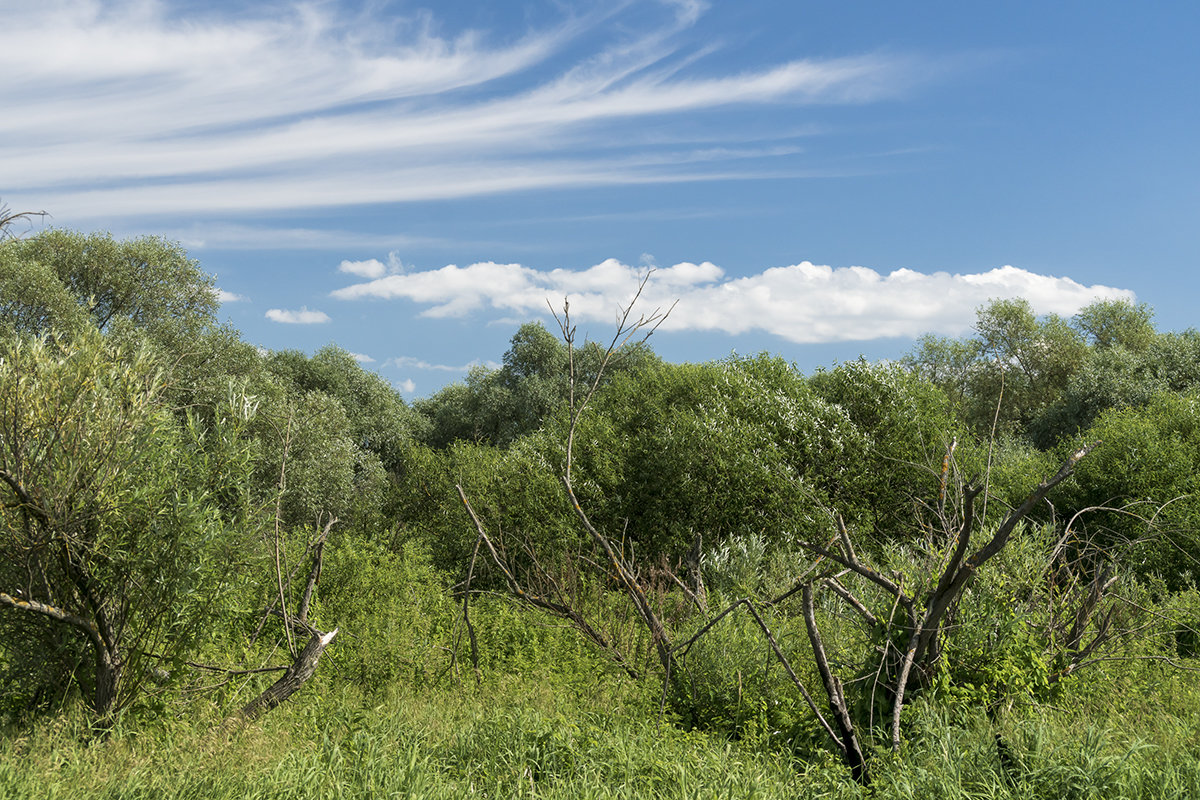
x=184 y=493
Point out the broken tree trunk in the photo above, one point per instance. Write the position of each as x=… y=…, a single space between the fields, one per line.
x=296 y=676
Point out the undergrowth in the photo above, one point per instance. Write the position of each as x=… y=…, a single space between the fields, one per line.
x=536 y=737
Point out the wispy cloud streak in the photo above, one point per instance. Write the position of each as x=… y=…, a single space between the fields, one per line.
x=130 y=107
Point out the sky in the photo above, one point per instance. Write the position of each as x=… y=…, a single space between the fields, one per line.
x=819 y=180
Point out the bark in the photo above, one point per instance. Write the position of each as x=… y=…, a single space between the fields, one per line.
x=296 y=676
x=108 y=661
x=852 y=752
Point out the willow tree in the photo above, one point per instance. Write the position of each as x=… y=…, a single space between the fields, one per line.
x=114 y=554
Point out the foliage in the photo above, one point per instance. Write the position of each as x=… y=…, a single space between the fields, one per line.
x=525 y=737
x=378 y=419
x=499 y=406
x=1014 y=367
x=147 y=283
x=725 y=449
x=150 y=459
x=1118 y=377
x=395 y=613
x=1146 y=476
x=907 y=426
x=110 y=521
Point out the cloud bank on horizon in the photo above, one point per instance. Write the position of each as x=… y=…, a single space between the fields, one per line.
x=802 y=303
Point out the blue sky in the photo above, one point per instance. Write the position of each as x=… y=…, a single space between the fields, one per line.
x=818 y=180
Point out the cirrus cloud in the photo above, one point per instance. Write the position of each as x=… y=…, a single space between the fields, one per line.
x=130 y=108
x=804 y=303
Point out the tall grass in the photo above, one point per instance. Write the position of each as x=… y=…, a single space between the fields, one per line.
x=530 y=737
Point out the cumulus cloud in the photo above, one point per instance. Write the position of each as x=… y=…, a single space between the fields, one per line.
x=406 y=386
x=803 y=303
x=372 y=267
x=229 y=297
x=139 y=107
x=304 y=316
x=362 y=358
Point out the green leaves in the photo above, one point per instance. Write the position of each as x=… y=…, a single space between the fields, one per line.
x=108 y=513
x=147 y=283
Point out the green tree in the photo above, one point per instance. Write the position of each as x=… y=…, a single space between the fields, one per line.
x=113 y=546
x=723 y=449
x=1119 y=376
x=1016 y=366
x=1116 y=323
x=906 y=425
x=499 y=406
x=1148 y=467
x=378 y=418
x=147 y=283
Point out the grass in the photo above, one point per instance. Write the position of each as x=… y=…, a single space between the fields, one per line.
x=529 y=737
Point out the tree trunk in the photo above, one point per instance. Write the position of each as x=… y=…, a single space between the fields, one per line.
x=296 y=676
x=108 y=682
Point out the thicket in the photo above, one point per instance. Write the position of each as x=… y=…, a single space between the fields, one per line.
x=588 y=572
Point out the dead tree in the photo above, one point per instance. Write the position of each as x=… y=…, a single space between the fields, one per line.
x=909 y=623
x=614 y=562
x=304 y=663
x=912 y=622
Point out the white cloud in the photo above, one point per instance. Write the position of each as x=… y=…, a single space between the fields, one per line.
x=406 y=386
x=229 y=297
x=141 y=107
x=803 y=303
x=362 y=359
x=371 y=268
x=221 y=235
x=409 y=362
x=302 y=317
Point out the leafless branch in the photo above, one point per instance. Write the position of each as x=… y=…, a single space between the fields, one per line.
x=538 y=601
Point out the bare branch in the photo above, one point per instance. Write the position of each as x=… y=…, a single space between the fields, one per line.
x=852 y=752
x=844 y=593
x=314 y=574
x=9 y=218
x=87 y=626
x=683 y=649
x=558 y=609
x=859 y=568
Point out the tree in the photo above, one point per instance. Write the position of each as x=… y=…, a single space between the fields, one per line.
x=113 y=549
x=379 y=420
x=905 y=424
x=1116 y=323
x=905 y=617
x=722 y=449
x=1015 y=366
x=1146 y=479
x=148 y=283
x=499 y=406
x=1118 y=377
